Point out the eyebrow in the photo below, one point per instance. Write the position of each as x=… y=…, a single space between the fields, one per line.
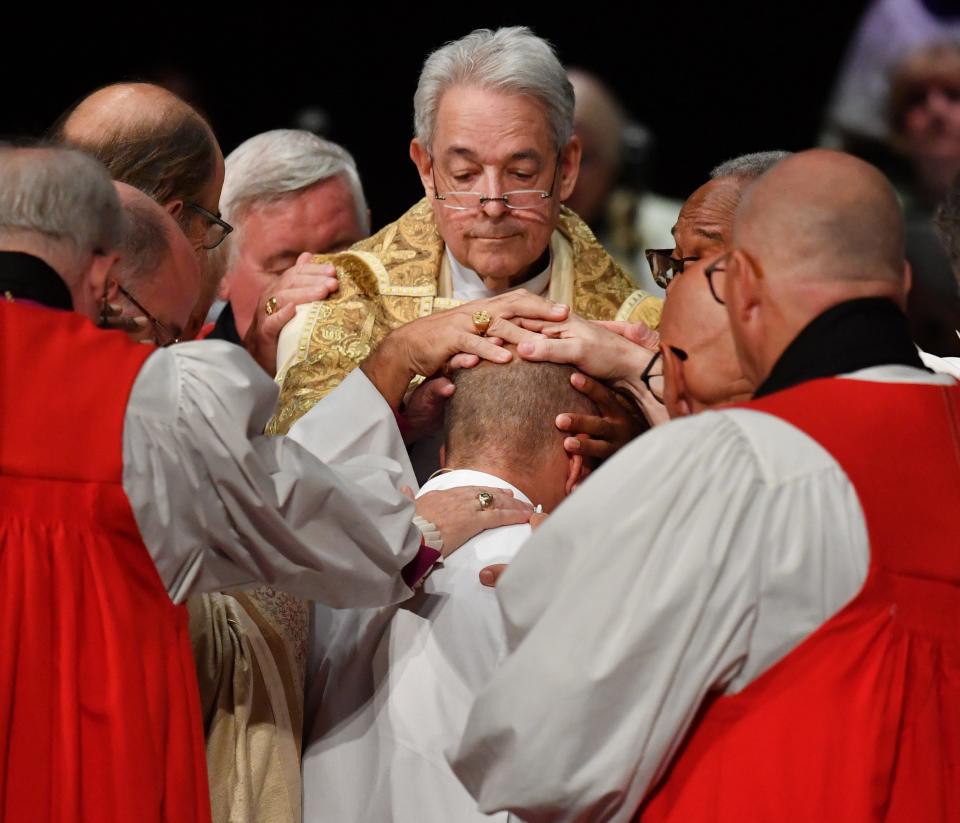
x=469 y=154
x=710 y=234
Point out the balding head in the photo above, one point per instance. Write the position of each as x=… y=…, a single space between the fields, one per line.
x=501 y=420
x=820 y=228
x=157 y=269
x=149 y=138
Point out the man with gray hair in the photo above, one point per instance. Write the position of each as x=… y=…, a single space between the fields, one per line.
x=286 y=192
x=59 y=245
x=496 y=154
x=132 y=477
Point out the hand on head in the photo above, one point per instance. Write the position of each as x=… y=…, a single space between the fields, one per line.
x=427 y=345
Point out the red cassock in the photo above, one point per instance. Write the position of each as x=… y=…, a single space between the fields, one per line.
x=99 y=712
x=861 y=722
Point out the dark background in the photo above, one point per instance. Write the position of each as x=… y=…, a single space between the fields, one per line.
x=710 y=83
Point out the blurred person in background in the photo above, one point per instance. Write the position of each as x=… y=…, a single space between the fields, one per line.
x=924 y=112
x=611 y=194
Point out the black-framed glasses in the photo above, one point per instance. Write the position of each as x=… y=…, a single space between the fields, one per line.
x=652 y=376
x=163 y=335
x=664 y=266
x=520 y=199
x=718 y=265
x=217 y=227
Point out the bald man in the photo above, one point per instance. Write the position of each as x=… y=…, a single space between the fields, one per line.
x=149 y=138
x=756 y=671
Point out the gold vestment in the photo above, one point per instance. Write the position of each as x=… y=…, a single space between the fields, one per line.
x=401 y=273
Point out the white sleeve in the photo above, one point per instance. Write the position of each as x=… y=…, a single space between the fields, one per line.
x=633 y=600
x=220 y=505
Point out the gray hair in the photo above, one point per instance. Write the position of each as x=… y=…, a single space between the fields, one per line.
x=283 y=162
x=61 y=201
x=749 y=166
x=512 y=60
x=144 y=246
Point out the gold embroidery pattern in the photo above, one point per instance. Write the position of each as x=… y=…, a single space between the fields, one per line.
x=391 y=278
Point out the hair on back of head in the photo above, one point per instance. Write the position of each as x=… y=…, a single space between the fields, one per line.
x=59 y=199
x=170 y=154
x=749 y=166
x=506 y=413
x=144 y=246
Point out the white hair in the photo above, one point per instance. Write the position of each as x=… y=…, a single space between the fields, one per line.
x=512 y=60
x=61 y=202
x=281 y=163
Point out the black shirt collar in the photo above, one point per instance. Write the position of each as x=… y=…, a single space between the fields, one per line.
x=226 y=327
x=858 y=334
x=27 y=277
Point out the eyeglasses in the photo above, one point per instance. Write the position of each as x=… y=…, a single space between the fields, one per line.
x=718 y=265
x=521 y=199
x=217 y=228
x=664 y=266
x=163 y=335
x=652 y=376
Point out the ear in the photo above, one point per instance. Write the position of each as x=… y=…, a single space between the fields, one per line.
x=100 y=272
x=173 y=208
x=95 y=286
x=675 y=396
x=443 y=456
x=742 y=288
x=576 y=473
x=111 y=289
x=569 y=167
x=907 y=281
x=424 y=162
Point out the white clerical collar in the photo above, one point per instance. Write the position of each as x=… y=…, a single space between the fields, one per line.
x=467 y=284
x=456 y=478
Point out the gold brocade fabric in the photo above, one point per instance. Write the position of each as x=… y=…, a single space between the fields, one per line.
x=250 y=651
x=393 y=278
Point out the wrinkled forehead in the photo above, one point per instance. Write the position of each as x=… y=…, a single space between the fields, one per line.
x=477 y=122
x=707 y=214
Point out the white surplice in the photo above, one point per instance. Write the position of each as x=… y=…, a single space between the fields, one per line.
x=219 y=505
x=697 y=557
x=389 y=689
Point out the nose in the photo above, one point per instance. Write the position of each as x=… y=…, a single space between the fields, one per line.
x=493 y=207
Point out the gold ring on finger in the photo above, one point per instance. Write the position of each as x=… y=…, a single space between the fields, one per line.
x=270 y=306
x=485 y=499
x=481 y=321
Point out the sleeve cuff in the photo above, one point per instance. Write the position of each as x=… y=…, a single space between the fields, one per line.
x=417 y=569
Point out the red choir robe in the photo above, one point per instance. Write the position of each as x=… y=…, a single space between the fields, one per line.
x=861 y=722
x=99 y=712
